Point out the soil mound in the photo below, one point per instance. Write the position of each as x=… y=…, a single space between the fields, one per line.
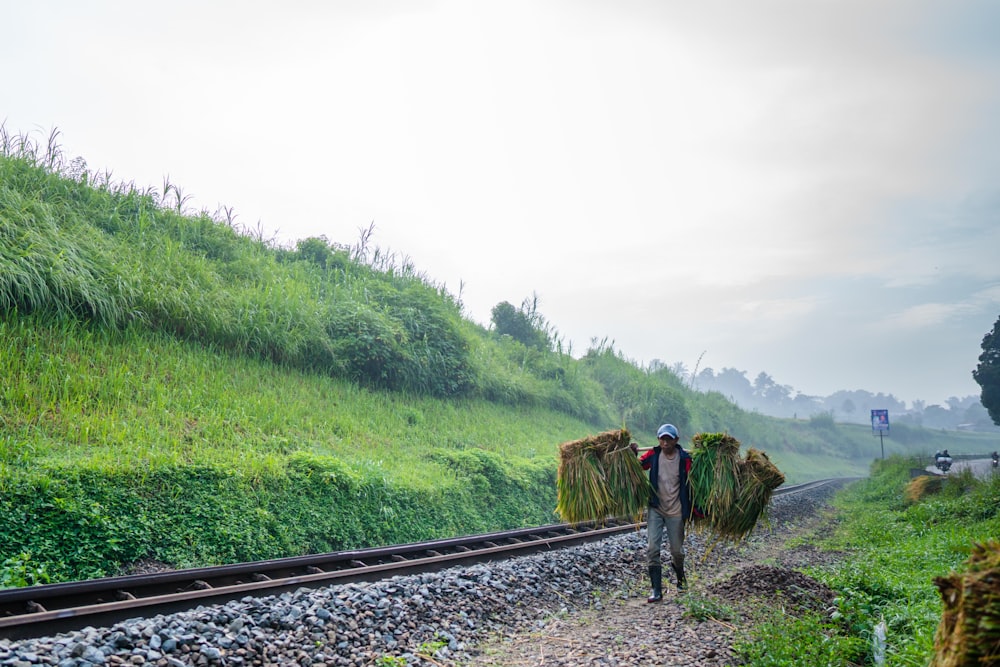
x=775 y=583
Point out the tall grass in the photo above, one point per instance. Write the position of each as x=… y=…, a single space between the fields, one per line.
x=121 y=397
x=75 y=245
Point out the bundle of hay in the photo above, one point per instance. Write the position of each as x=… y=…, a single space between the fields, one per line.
x=969 y=632
x=732 y=493
x=600 y=477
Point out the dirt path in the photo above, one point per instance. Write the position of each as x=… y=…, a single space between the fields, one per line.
x=622 y=629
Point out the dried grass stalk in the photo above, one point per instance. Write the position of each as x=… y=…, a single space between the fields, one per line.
x=922 y=486
x=969 y=631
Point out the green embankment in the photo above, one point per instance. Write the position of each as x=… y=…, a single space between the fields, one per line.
x=118 y=448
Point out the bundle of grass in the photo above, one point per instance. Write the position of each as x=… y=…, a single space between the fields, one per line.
x=732 y=493
x=758 y=478
x=600 y=477
x=922 y=486
x=969 y=632
x=714 y=476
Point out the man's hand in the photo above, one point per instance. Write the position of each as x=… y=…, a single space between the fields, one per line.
x=634 y=447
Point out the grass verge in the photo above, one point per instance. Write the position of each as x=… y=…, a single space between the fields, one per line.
x=895 y=548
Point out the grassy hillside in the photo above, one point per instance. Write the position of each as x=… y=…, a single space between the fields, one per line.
x=117 y=447
x=174 y=388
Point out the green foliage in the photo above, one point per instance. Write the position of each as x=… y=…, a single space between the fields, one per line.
x=703 y=608
x=92 y=523
x=909 y=435
x=822 y=420
x=322 y=253
x=885 y=484
x=987 y=372
x=518 y=324
x=867 y=596
x=508 y=481
x=20 y=570
x=643 y=399
x=796 y=640
x=430 y=648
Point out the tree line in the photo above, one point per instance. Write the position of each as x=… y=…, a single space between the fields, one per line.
x=766 y=395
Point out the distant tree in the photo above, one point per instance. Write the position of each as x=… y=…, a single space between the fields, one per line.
x=509 y=321
x=987 y=373
x=848 y=407
x=935 y=416
x=524 y=324
x=762 y=383
x=680 y=369
x=319 y=250
x=880 y=401
x=807 y=405
x=779 y=394
x=704 y=380
x=770 y=394
x=977 y=416
x=733 y=383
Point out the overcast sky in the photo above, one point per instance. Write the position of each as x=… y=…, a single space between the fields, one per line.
x=806 y=188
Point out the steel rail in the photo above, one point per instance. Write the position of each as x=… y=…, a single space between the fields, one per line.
x=35 y=611
x=815 y=484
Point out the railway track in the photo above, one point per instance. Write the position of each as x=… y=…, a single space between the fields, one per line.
x=45 y=610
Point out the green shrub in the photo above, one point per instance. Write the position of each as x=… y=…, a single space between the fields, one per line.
x=822 y=420
x=21 y=570
x=783 y=640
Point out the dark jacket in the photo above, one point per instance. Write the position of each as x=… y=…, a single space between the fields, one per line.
x=651 y=461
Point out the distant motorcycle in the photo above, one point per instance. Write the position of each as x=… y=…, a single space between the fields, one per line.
x=996 y=460
x=943 y=463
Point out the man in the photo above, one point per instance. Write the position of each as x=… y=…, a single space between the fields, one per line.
x=669 y=505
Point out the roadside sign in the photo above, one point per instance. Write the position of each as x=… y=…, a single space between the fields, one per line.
x=880 y=421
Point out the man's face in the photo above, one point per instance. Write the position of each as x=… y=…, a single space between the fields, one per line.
x=668 y=444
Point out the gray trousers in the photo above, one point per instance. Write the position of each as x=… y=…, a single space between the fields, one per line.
x=656 y=525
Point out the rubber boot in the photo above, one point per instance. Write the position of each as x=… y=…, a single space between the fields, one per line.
x=656 y=578
x=679 y=571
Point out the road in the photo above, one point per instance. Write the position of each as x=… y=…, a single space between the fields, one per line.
x=981 y=468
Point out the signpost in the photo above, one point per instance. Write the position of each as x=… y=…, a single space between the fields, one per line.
x=880 y=425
